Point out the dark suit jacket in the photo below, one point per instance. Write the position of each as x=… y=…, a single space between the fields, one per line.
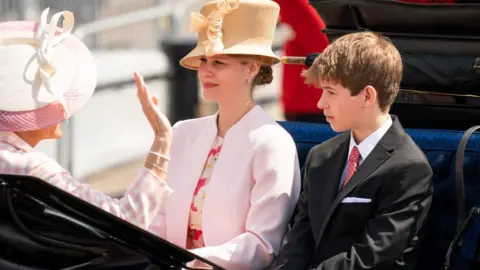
x=381 y=234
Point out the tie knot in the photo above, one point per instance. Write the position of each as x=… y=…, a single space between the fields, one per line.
x=354 y=155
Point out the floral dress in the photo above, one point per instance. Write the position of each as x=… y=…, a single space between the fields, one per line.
x=195 y=234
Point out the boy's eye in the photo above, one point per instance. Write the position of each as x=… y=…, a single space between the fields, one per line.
x=218 y=62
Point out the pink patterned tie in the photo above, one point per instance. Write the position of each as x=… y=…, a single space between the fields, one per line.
x=352 y=164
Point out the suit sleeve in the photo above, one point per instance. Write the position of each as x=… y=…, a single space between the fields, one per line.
x=275 y=192
x=296 y=253
x=306 y=23
x=402 y=210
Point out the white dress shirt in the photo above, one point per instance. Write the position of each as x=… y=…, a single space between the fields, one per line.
x=366 y=146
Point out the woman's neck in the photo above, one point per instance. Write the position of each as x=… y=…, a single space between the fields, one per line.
x=229 y=115
x=29 y=137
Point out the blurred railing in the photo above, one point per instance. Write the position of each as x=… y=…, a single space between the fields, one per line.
x=65 y=146
x=122 y=20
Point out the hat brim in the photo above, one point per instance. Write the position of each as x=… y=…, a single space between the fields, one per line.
x=265 y=54
x=80 y=90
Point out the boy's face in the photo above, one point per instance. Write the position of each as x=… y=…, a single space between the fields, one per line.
x=342 y=110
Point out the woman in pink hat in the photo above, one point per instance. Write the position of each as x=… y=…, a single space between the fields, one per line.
x=233 y=177
x=46 y=76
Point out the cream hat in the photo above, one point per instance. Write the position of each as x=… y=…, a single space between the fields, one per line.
x=237 y=27
x=46 y=74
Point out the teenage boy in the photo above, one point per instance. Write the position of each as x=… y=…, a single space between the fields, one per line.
x=367 y=191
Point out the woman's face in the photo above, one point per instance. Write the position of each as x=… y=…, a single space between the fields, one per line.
x=53 y=132
x=225 y=77
x=48 y=133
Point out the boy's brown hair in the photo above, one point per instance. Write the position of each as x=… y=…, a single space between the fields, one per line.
x=357 y=60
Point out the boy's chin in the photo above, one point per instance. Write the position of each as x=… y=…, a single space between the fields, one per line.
x=337 y=128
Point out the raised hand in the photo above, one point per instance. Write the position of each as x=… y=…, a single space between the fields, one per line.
x=158 y=121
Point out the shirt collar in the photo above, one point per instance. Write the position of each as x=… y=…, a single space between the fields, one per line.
x=14 y=140
x=367 y=145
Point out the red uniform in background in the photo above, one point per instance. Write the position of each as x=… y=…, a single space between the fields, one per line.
x=298 y=99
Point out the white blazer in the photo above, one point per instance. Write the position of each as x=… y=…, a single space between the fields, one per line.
x=251 y=195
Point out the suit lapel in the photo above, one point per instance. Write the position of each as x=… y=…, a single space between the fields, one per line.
x=327 y=183
x=375 y=159
x=179 y=204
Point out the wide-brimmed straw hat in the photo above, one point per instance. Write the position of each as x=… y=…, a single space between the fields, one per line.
x=234 y=27
x=46 y=74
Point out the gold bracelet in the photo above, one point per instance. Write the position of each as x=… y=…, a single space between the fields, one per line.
x=158 y=167
x=159 y=155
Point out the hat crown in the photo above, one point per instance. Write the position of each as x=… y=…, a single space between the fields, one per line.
x=241 y=27
x=34 y=70
x=47 y=74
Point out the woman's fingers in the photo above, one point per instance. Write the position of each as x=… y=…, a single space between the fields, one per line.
x=142 y=88
x=155 y=100
x=149 y=104
x=142 y=91
x=138 y=82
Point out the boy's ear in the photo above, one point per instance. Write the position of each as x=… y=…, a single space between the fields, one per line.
x=370 y=95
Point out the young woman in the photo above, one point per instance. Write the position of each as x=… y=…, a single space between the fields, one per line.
x=239 y=166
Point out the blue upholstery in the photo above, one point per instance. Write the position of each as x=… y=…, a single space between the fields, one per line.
x=439 y=146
